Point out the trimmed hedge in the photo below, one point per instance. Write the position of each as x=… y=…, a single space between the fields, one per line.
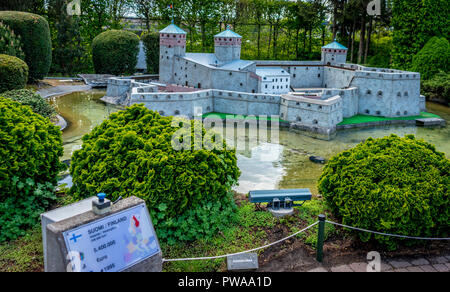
x=131 y=154
x=30 y=148
x=392 y=185
x=115 y=52
x=151 y=44
x=36 y=42
x=13 y=73
x=432 y=58
x=37 y=103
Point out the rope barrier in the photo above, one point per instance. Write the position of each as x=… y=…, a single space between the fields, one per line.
x=243 y=252
x=386 y=234
x=296 y=233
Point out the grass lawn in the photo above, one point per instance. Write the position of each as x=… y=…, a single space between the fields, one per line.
x=254 y=229
x=360 y=119
x=233 y=116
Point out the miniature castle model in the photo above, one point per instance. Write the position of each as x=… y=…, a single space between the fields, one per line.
x=311 y=95
x=222 y=70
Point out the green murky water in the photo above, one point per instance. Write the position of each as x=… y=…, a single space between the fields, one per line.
x=268 y=165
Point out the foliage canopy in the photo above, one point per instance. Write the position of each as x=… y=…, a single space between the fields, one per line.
x=115 y=52
x=30 y=148
x=131 y=154
x=393 y=185
x=13 y=73
x=35 y=37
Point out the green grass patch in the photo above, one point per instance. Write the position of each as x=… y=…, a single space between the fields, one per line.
x=224 y=116
x=24 y=254
x=361 y=119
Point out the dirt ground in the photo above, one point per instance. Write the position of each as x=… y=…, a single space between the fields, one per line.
x=295 y=256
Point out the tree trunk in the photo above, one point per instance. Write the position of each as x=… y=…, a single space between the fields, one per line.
x=362 y=36
x=270 y=40
x=259 y=40
x=352 y=54
x=334 y=19
x=369 y=33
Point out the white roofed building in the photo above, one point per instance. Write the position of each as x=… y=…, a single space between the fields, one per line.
x=274 y=80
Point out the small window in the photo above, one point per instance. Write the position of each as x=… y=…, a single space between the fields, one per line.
x=177 y=112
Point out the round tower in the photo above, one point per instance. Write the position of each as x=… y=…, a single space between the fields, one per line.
x=227 y=45
x=334 y=53
x=172 y=44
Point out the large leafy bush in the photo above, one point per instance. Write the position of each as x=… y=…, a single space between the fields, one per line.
x=10 y=43
x=30 y=147
x=13 y=73
x=131 y=153
x=37 y=103
x=393 y=185
x=434 y=57
x=115 y=52
x=35 y=37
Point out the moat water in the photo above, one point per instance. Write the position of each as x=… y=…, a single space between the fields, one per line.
x=268 y=165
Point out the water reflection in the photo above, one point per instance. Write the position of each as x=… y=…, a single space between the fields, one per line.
x=83 y=111
x=267 y=165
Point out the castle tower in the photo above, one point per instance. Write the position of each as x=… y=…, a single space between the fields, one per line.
x=334 y=53
x=172 y=43
x=227 y=45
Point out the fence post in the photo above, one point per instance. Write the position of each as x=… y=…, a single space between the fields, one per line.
x=320 y=238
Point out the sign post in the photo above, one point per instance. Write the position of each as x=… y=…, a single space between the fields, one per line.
x=122 y=240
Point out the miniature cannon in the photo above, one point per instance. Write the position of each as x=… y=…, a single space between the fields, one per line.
x=281 y=202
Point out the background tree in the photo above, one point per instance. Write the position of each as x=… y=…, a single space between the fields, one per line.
x=68 y=49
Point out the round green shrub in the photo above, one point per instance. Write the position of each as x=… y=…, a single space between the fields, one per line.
x=115 y=52
x=30 y=148
x=10 y=43
x=13 y=73
x=35 y=37
x=30 y=98
x=432 y=58
x=131 y=154
x=393 y=185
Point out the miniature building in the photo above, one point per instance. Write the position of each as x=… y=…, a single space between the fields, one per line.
x=274 y=80
x=312 y=95
x=334 y=53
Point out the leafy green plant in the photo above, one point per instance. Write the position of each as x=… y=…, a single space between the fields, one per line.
x=13 y=73
x=392 y=185
x=34 y=33
x=131 y=153
x=37 y=103
x=438 y=87
x=10 y=43
x=434 y=57
x=30 y=147
x=115 y=52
